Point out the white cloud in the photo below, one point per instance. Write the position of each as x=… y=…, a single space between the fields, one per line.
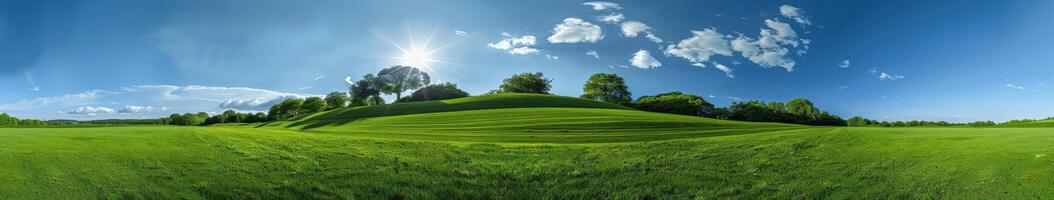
x=843 y=87
x=888 y=76
x=574 y=30
x=634 y=28
x=1012 y=86
x=320 y=77
x=642 y=59
x=516 y=45
x=769 y=50
x=34 y=89
x=593 y=53
x=726 y=69
x=844 y=64
x=883 y=75
x=700 y=46
x=794 y=13
x=132 y=109
x=305 y=88
x=523 y=51
x=602 y=5
x=699 y=65
x=552 y=57
x=460 y=33
x=611 y=18
x=255 y=104
x=89 y=110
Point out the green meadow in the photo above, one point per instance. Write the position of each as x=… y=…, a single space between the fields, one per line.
x=515 y=146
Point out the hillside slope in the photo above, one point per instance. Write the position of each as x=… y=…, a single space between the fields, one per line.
x=519 y=118
x=1035 y=124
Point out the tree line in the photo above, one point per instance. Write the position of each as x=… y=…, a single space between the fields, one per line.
x=857 y=121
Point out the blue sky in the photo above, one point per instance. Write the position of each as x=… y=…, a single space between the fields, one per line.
x=931 y=60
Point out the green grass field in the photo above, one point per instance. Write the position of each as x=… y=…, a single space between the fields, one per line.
x=490 y=148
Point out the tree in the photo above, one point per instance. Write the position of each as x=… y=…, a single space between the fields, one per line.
x=313 y=104
x=369 y=86
x=8 y=119
x=229 y=116
x=607 y=88
x=435 y=92
x=336 y=100
x=802 y=107
x=526 y=83
x=400 y=78
x=676 y=103
x=857 y=121
x=289 y=108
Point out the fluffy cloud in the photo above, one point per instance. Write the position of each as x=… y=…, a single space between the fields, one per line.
x=700 y=46
x=642 y=59
x=574 y=30
x=89 y=110
x=844 y=64
x=132 y=109
x=634 y=28
x=726 y=69
x=794 y=13
x=611 y=18
x=593 y=53
x=255 y=104
x=516 y=45
x=699 y=65
x=460 y=33
x=769 y=50
x=602 y=5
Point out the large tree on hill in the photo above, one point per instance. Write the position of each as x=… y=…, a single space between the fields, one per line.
x=313 y=104
x=676 y=103
x=526 y=83
x=400 y=78
x=336 y=100
x=366 y=91
x=435 y=92
x=609 y=88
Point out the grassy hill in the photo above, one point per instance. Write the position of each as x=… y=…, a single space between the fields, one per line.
x=518 y=118
x=1035 y=124
x=552 y=148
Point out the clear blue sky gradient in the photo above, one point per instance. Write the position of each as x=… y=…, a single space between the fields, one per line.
x=960 y=61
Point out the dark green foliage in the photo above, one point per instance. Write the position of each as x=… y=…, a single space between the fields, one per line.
x=526 y=83
x=336 y=100
x=434 y=92
x=230 y=116
x=6 y=119
x=609 y=88
x=398 y=79
x=312 y=105
x=367 y=91
x=797 y=111
x=676 y=103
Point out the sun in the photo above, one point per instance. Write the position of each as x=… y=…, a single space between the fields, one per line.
x=421 y=56
x=416 y=58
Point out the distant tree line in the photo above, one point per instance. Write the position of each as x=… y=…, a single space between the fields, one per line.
x=858 y=121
